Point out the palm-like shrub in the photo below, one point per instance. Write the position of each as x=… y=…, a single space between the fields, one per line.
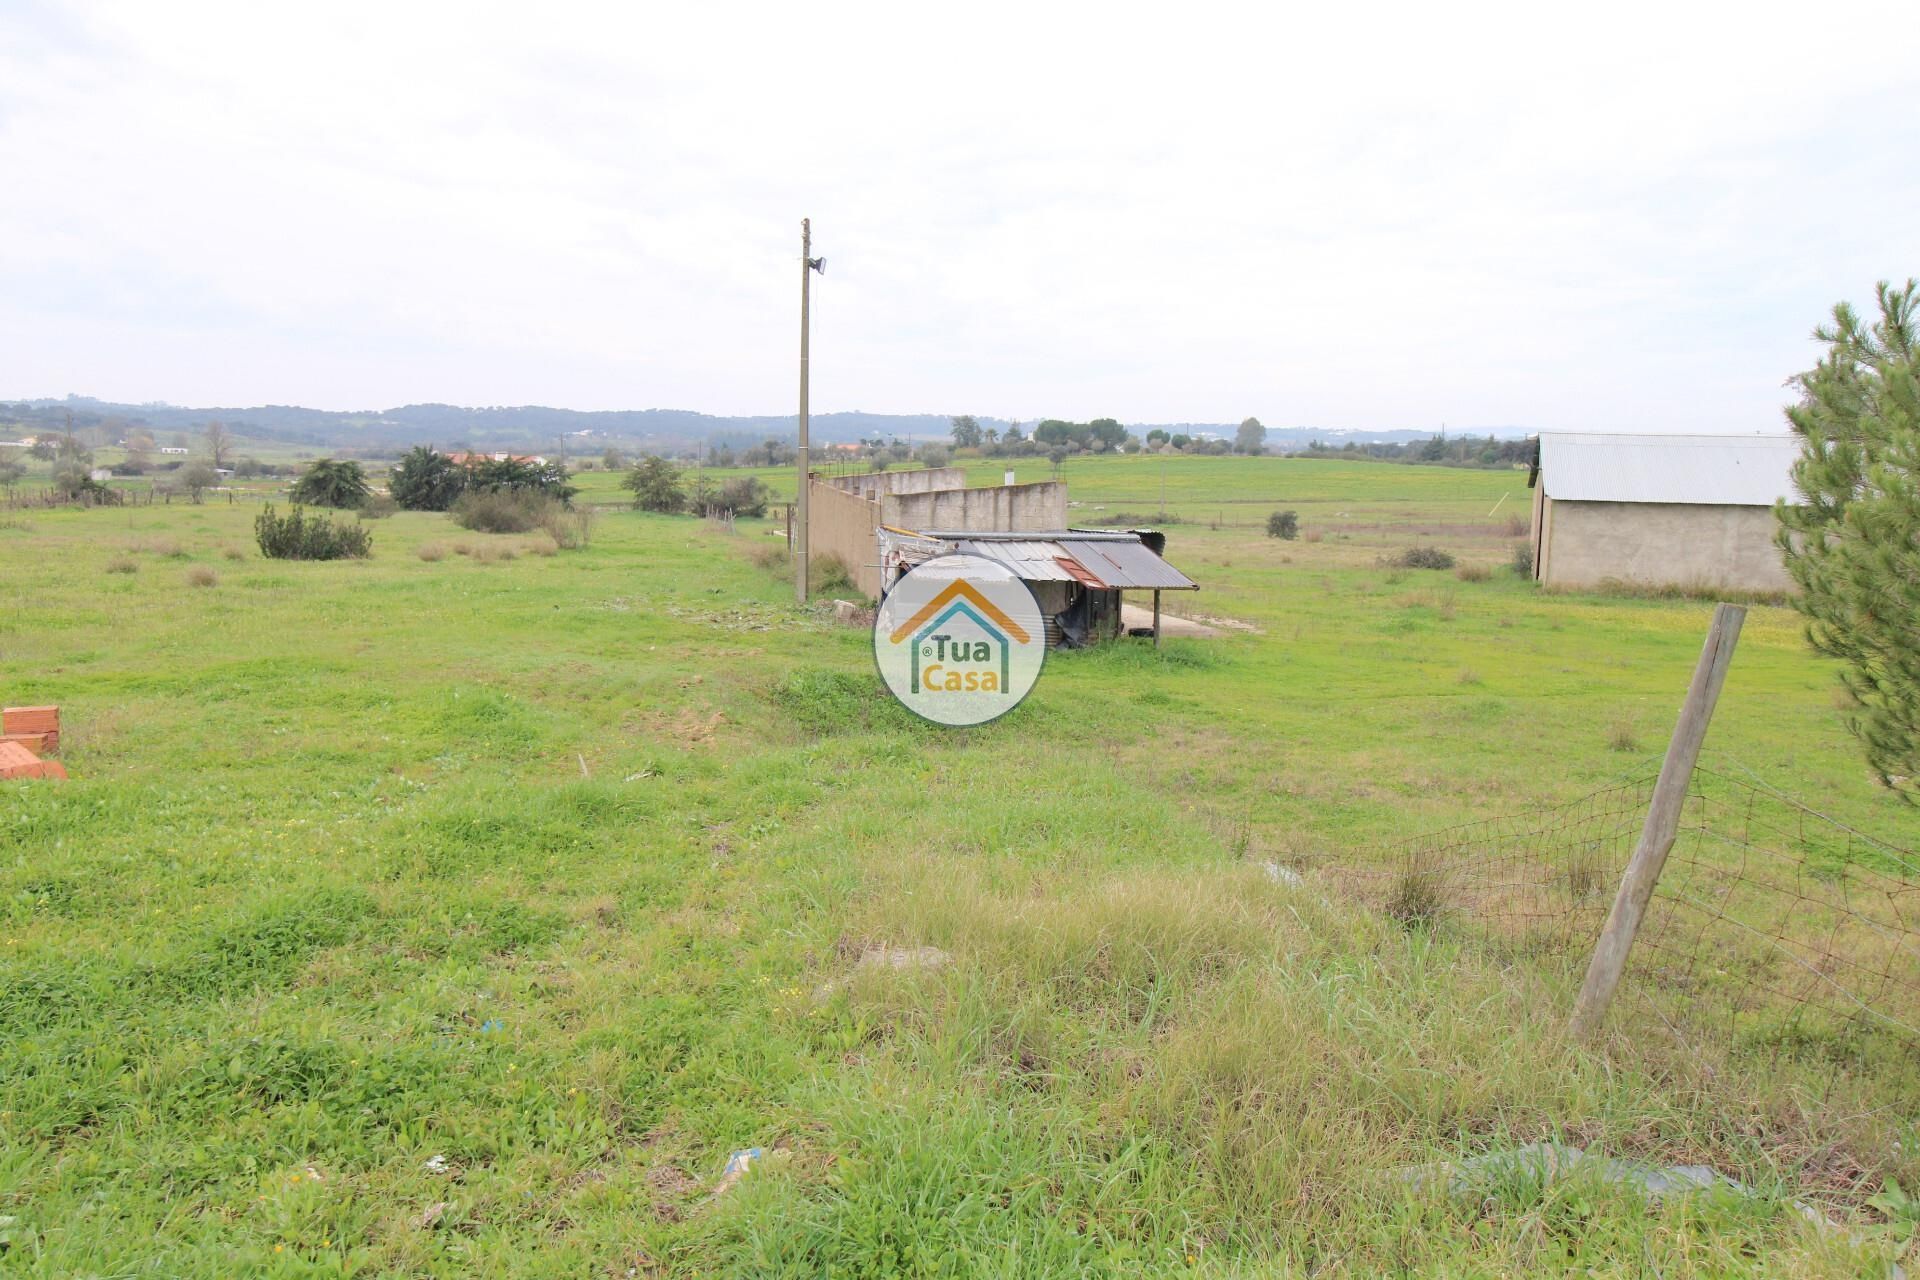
x=332 y=482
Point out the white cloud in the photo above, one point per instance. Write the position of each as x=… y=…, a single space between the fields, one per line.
x=1374 y=217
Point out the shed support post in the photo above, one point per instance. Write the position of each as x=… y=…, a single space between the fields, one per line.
x=1156 y=617
x=1663 y=823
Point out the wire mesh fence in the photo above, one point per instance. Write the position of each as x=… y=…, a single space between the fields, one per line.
x=1770 y=918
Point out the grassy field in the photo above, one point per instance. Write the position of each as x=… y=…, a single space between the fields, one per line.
x=462 y=915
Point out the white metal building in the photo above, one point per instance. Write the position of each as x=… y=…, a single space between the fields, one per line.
x=1692 y=511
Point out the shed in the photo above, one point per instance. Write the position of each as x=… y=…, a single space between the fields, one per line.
x=1078 y=576
x=1688 y=511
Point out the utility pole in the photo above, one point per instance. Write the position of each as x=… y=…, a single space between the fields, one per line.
x=800 y=552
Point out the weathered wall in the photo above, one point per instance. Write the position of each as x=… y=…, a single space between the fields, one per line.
x=1002 y=509
x=872 y=484
x=844 y=524
x=1660 y=544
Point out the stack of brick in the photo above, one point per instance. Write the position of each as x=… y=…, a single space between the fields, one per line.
x=27 y=733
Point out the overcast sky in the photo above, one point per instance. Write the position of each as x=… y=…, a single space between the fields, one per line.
x=1386 y=216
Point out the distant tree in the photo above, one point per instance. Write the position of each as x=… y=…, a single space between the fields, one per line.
x=1056 y=456
x=426 y=480
x=966 y=432
x=723 y=456
x=935 y=455
x=196 y=478
x=1180 y=442
x=1283 y=524
x=656 y=486
x=219 y=443
x=744 y=496
x=1107 y=432
x=1132 y=445
x=1013 y=434
x=10 y=472
x=69 y=450
x=1157 y=436
x=331 y=482
x=613 y=459
x=41 y=449
x=1250 y=438
x=990 y=436
x=497 y=475
x=1853 y=543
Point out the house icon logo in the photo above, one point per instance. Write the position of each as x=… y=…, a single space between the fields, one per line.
x=960 y=640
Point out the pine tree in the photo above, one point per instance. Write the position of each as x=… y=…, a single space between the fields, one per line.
x=1852 y=543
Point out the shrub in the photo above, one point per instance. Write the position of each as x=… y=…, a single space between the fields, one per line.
x=123 y=564
x=570 y=530
x=378 y=507
x=656 y=486
x=1620 y=736
x=232 y=552
x=202 y=575
x=489 y=553
x=1424 y=558
x=296 y=537
x=769 y=557
x=1284 y=524
x=1523 y=560
x=831 y=576
x=1517 y=525
x=496 y=474
x=542 y=544
x=1473 y=573
x=502 y=510
x=742 y=495
x=430 y=552
x=331 y=482
x=170 y=548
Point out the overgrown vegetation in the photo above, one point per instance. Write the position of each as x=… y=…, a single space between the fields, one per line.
x=298 y=536
x=1284 y=524
x=1424 y=557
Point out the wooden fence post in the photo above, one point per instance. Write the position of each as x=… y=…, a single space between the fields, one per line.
x=1663 y=823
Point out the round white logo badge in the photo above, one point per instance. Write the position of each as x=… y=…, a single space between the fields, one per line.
x=960 y=640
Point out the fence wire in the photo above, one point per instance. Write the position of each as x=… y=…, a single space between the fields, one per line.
x=1770 y=917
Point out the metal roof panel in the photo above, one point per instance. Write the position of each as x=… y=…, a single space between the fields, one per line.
x=1708 y=470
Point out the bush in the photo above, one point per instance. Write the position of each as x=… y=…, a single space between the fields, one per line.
x=1424 y=558
x=232 y=552
x=1523 y=560
x=202 y=576
x=656 y=486
x=570 y=530
x=742 y=495
x=328 y=482
x=1284 y=524
x=295 y=537
x=488 y=553
x=378 y=507
x=831 y=577
x=542 y=544
x=503 y=510
x=1473 y=573
x=123 y=564
x=430 y=552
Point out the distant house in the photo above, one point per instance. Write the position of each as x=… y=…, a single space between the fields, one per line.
x=172 y=448
x=1690 y=511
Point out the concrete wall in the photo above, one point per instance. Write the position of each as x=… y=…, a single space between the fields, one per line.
x=872 y=484
x=1583 y=544
x=1002 y=509
x=844 y=525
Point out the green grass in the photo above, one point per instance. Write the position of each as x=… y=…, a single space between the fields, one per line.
x=559 y=868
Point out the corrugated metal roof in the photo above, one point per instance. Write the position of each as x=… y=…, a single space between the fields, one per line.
x=1738 y=471
x=1103 y=561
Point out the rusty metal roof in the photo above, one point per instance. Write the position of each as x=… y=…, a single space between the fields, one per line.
x=1118 y=560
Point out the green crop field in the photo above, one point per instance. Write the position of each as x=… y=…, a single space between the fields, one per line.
x=458 y=914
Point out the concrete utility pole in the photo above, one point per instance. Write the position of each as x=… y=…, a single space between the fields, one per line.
x=808 y=265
